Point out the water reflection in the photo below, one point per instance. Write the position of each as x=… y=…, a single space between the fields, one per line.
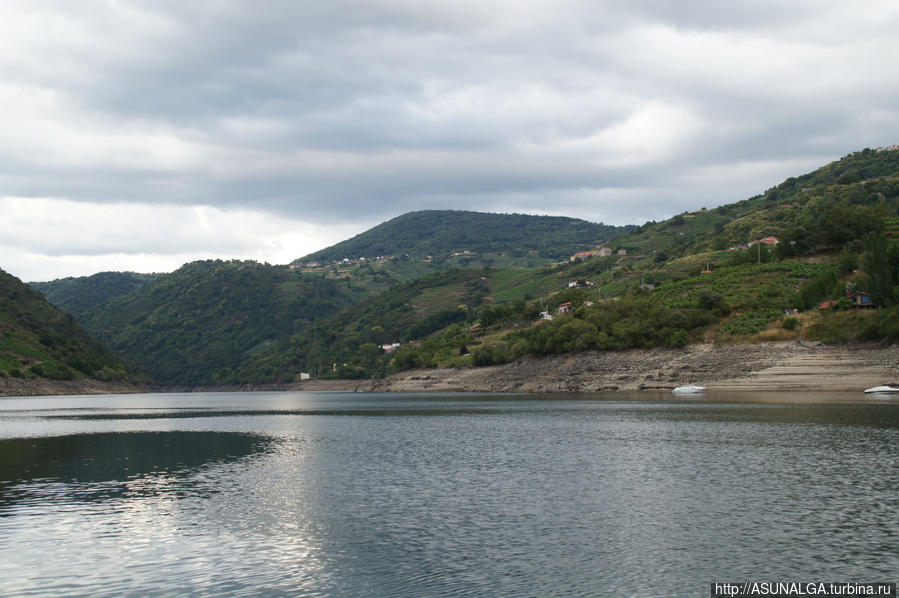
x=91 y=467
x=304 y=494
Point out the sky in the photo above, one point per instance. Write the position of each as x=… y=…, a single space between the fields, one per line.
x=140 y=135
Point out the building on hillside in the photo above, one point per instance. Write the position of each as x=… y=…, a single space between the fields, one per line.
x=565 y=308
x=861 y=300
x=545 y=315
x=857 y=300
x=622 y=251
x=605 y=251
x=765 y=241
x=390 y=347
x=582 y=255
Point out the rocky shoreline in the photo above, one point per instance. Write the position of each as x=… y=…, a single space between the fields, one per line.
x=24 y=387
x=773 y=366
x=757 y=367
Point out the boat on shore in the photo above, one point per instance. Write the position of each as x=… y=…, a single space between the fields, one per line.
x=689 y=390
x=882 y=390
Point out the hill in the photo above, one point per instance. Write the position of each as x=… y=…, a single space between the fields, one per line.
x=195 y=325
x=687 y=279
x=76 y=295
x=822 y=210
x=441 y=233
x=690 y=278
x=39 y=341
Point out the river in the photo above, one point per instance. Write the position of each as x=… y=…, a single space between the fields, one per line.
x=343 y=494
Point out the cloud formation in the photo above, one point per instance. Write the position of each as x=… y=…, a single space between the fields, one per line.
x=348 y=112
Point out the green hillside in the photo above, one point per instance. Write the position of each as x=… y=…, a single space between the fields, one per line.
x=687 y=279
x=347 y=343
x=76 y=295
x=37 y=340
x=195 y=325
x=441 y=233
x=821 y=210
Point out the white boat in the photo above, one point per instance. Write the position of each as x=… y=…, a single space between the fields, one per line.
x=688 y=390
x=882 y=390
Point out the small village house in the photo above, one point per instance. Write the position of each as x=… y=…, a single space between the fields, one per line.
x=857 y=300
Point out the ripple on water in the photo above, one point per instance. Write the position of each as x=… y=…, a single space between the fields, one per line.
x=577 y=498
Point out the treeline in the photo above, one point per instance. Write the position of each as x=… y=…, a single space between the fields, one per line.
x=77 y=295
x=630 y=322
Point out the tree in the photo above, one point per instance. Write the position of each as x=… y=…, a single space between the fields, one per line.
x=368 y=356
x=878 y=280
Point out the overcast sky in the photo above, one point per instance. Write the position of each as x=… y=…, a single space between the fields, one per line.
x=140 y=135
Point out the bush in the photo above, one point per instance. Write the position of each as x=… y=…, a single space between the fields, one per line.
x=883 y=326
x=790 y=323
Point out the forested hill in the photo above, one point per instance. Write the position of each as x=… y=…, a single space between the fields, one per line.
x=441 y=232
x=195 y=325
x=37 y=340
x=77 y=295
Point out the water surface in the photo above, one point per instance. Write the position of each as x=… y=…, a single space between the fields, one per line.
x=343 y=494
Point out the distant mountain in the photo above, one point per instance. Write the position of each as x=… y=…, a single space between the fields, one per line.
x=195 y=325
x=38 y=340
x=443 y=232
x=79 y=294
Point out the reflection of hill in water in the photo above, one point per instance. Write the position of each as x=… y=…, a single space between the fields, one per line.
x=86 y=467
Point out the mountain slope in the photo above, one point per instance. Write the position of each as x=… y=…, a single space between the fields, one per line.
x=828 y=207
x=702 y=290
x=77 y=295
x=195 y=325
x=442 y=232
x=37 y=340
x=407 y=311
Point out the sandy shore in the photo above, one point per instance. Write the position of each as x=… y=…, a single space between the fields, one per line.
x=762 y=367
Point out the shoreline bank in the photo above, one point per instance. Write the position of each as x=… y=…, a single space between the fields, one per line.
x=23 y=387
x=776 y=366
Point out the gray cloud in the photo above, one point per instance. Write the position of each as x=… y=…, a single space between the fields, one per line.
x=354 y=111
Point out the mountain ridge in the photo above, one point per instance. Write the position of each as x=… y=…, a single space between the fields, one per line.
x=463 y=230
